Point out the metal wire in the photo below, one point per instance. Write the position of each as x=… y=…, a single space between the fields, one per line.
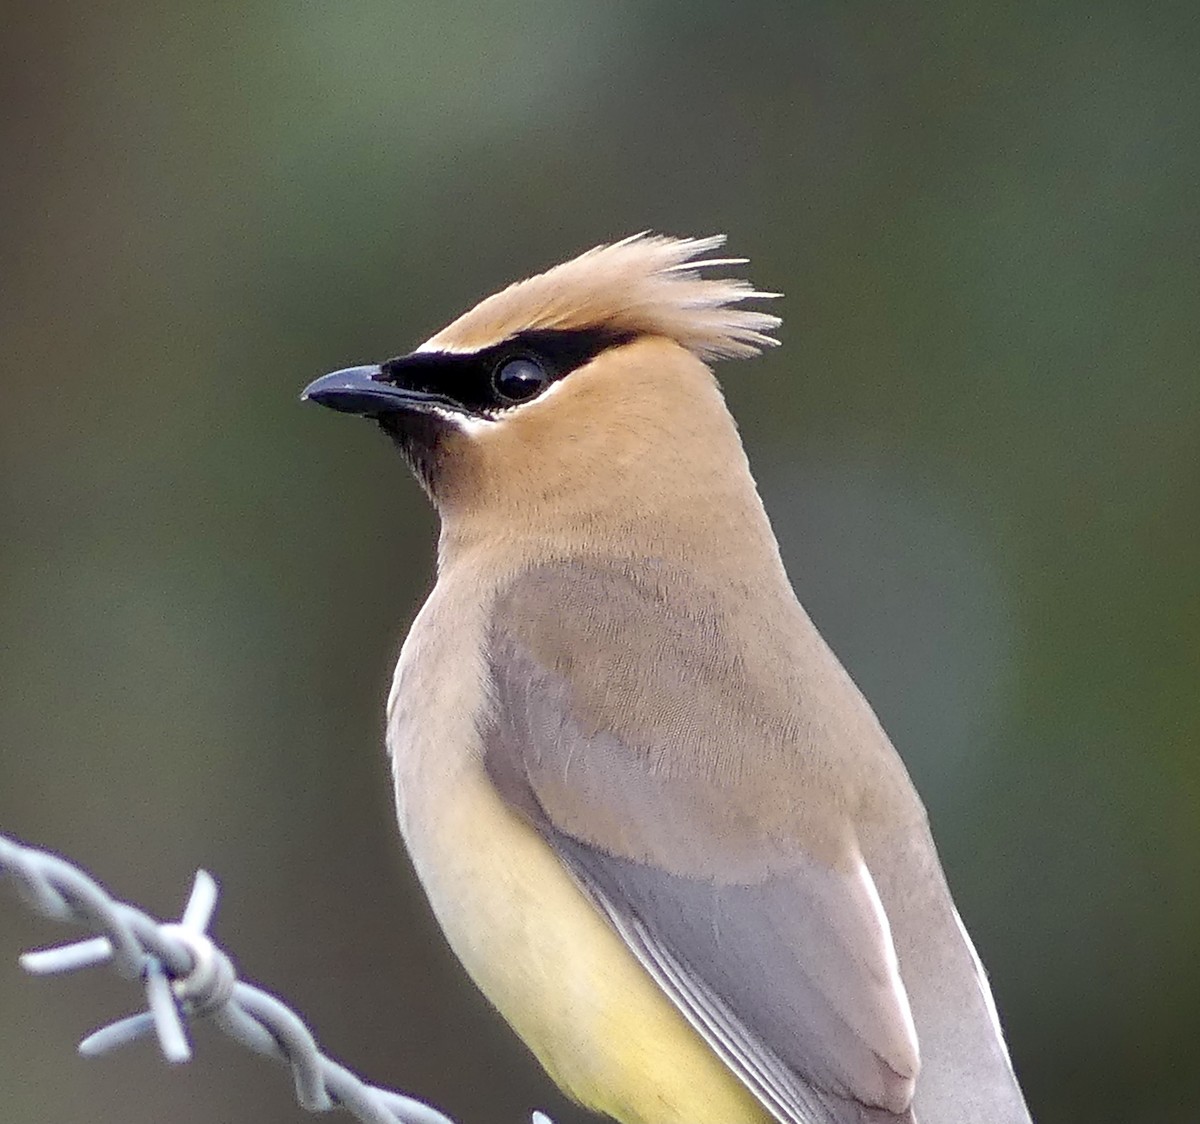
x=187 y=977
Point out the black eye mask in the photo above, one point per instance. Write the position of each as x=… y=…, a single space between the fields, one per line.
x=484 y=383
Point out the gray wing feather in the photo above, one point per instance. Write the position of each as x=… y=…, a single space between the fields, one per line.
x=783 y=963
x=741 y=952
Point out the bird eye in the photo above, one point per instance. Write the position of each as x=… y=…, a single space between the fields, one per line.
x=518 y=380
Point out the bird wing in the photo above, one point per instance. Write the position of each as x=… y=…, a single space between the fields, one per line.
x=778 y=952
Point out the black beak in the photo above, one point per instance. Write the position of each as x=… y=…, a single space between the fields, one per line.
x=358 y=390
x=368 y=391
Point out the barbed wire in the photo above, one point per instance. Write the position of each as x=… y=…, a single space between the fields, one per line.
x=187 y=977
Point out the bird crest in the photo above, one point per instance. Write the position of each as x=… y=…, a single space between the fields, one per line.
x=646 y=284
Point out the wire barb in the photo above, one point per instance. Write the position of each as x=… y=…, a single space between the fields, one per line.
x=186 y=977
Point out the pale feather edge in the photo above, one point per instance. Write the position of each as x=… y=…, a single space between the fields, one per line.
x=985 y=990
x=774 y=1094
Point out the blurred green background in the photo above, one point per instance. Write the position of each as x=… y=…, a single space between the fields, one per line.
x=979 y=445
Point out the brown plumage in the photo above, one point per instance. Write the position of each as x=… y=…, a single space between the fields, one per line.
x=645 y=284
x=656 y=819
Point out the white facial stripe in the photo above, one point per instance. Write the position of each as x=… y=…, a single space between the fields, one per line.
x=453 y=349
x=473 y=426
x=468 y=423
x=554 y=388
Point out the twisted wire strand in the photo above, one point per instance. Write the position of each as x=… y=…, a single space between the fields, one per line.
x=187 y=977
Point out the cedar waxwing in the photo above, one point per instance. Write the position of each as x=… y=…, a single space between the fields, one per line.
x=657 y=821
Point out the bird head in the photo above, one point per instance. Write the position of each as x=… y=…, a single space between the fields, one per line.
x=564 y=389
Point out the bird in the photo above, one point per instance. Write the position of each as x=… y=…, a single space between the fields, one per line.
x=656 y=820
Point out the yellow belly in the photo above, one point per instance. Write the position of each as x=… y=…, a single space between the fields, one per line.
x=556 y=970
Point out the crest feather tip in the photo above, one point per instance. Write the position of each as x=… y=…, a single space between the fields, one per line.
x=644 y=284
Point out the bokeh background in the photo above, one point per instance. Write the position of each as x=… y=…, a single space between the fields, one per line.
x=979 y=445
